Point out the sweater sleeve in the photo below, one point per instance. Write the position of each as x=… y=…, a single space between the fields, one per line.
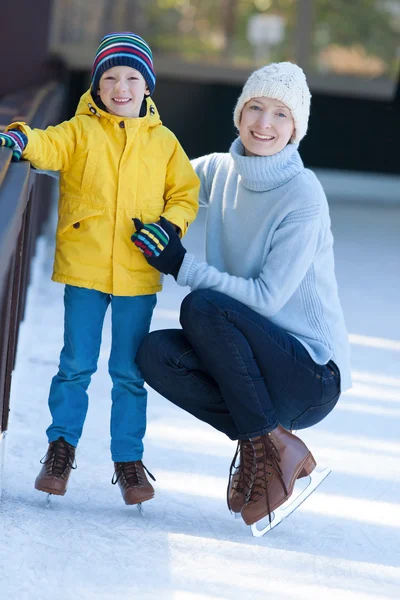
x=294 y=246
x=205 y=167
x=51 y=148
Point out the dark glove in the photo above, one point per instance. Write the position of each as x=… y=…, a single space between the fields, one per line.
x=160 y=244
x=16 y=140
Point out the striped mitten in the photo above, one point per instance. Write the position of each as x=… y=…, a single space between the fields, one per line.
x=151 y=239
x=160 y=244
x=16 y=140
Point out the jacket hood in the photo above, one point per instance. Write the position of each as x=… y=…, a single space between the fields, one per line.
x=88 y=106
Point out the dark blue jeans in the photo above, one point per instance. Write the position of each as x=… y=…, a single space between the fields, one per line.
x=237 y=371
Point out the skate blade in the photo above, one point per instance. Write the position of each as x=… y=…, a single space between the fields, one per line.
x=140 y=509
x=281 y=513
x=48 y=500
x=2 y=457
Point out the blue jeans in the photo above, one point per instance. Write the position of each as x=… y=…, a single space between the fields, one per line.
x=237 y=371
x=68 y=400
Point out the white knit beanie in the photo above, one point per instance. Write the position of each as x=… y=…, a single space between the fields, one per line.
x=282 y=81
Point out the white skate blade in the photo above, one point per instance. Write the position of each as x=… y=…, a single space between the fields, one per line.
x=2 y=457
x=140 y=508
x=316 y=478
x=48 y=500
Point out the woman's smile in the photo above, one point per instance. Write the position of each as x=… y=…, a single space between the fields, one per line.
x=262 y=137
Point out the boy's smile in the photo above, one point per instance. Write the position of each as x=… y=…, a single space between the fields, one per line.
x=122 y=90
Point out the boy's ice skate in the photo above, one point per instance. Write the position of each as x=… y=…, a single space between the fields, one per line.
x=281 y=459
x=133 y=483
x=57 y=464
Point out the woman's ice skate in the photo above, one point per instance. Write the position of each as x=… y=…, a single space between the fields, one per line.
x=281 y=459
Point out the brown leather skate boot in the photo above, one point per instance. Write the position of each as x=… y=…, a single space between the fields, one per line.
x=240 y=481
x=133 y=483
x=281 y=458
x=57 y=465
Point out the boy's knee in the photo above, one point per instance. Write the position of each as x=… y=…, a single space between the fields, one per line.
x=77 y=365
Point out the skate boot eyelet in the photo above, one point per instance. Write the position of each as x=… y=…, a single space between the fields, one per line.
x=241 y=475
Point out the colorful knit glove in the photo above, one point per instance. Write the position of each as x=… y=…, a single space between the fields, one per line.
x=160 y=244
x=16 y=140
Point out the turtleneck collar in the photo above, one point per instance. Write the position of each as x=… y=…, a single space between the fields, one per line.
x=265 y=173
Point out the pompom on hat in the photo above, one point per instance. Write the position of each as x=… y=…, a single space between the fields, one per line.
x=123 y=49
x=282 y=81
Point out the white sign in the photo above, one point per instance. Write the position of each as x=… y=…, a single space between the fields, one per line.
x=265 y=29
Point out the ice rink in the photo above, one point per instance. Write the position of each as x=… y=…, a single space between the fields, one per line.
x=343 y=542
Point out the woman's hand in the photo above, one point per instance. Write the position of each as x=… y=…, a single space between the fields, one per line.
x=160 y=244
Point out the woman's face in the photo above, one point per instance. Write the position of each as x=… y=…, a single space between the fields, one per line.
x=266 y=126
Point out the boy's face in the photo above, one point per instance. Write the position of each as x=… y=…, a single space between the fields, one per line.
x=122 y=90
x=266 y=126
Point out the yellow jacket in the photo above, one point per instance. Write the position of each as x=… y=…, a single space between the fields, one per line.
x=112 y=169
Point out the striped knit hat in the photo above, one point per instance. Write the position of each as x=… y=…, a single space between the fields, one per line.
x=123 y=49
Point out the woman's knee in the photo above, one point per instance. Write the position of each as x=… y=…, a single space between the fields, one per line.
x=148 y=355
x=199 y=304
x=157 y=351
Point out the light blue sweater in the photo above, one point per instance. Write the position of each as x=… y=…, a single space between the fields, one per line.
x=269 y=245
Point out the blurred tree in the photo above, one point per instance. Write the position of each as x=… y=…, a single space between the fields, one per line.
x=228 y=23
x=206 y=29
x=369 y=23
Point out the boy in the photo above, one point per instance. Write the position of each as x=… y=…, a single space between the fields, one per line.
x=117 y=162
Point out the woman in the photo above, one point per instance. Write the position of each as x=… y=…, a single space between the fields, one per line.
x=263 y=347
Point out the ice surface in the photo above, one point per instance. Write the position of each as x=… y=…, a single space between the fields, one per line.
x=343 y=542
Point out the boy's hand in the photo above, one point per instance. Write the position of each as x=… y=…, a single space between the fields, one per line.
x=160 y=244
x=16 y=140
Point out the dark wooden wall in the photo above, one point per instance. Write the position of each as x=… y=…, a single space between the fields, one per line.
x=350 y=133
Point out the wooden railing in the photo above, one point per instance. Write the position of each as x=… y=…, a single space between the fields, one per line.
x=25 y=199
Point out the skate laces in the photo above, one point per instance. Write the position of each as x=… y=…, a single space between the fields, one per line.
x=131 y=472
x=267 y=460
x=60 y=458
x=242 y=484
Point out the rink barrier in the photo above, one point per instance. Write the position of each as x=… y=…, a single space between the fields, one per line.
x=25 y=200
